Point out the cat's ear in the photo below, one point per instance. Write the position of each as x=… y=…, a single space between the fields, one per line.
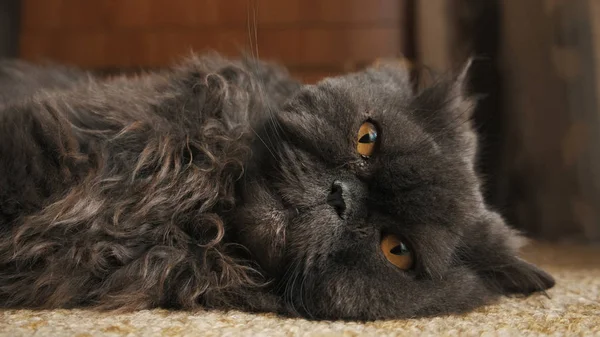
x=493 y=255
x=446 y=98
x=444 y=109
x=518 y=276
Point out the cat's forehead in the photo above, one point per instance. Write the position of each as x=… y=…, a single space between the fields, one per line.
x=375 y=93
x=374 y=82
x=333 y=110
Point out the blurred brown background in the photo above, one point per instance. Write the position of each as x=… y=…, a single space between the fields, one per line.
x=537 y=71
x=313 y=38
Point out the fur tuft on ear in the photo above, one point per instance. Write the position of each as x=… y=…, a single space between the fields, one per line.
x=463 y=76
x=492 y=254
x=460 y=102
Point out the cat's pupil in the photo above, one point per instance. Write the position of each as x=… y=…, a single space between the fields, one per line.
x=400 y=249
x=368 y=138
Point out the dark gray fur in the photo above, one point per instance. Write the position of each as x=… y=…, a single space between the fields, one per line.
x=205 y=185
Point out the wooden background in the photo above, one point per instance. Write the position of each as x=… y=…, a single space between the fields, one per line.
x=313 y=38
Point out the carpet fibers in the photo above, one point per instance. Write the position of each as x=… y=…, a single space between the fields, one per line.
x=573 y=309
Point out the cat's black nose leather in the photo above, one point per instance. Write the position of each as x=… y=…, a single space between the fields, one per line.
x=336 y=197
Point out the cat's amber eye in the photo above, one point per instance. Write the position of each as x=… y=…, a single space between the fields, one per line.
x=397 y=252
x=367 y=139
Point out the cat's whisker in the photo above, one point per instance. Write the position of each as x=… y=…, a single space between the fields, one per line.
x=249 y=28
x=254 y=9
x=289 y=290
x=302 y=296
x=264 y=143
x=253 y=39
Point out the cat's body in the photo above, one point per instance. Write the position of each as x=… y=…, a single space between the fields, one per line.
x=210 y=184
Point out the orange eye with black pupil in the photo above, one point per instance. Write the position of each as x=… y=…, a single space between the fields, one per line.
x=367 y=139
x=396 y=252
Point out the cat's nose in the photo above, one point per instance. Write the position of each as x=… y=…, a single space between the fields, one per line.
x=336 y=197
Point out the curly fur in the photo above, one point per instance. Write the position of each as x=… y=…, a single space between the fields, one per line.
x=159 y=190
x=131 y=215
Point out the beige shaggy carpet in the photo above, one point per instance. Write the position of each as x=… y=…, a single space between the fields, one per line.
x=573 y=309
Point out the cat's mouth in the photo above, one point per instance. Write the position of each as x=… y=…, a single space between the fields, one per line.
x=397 y=251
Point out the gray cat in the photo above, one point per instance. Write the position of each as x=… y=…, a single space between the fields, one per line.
x=227 y=184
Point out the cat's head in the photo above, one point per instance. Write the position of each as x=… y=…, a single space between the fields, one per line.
x=362 y=202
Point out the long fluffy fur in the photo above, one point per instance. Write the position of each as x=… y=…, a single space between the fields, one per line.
x=116 y=191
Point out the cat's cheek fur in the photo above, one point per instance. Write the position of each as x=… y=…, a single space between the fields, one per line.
x=262 y=222
x=357 y=294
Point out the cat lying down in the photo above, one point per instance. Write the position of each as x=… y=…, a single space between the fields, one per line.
x=226 y=184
